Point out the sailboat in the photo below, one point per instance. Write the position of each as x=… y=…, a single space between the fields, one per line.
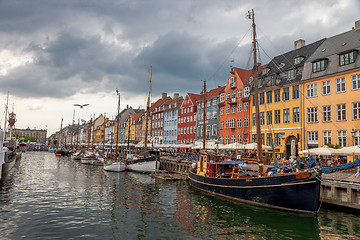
x=293 y=191
x=146 y=161
x=116 y=166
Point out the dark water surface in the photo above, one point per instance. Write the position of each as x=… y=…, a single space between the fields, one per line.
x=48 y=197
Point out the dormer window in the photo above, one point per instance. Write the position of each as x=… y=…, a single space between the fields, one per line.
x=347 y=58
x=319 y=66
x=232 y=82
x=298 y=60
x=281 y=65
x=291 y=74
x=246 y=91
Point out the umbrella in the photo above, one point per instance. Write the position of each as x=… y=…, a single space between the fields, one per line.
x=324 y=150
x=350 y=150
x=253 y=146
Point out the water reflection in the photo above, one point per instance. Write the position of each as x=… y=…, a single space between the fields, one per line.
x=50 y=197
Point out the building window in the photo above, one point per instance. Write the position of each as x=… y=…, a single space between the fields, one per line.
x=311 y=90
x=262 y=98
x=227 y=96
x=286 y=115
x=239 y=107
x=239 y=123
x=269 y=117
x=232 y=123
x=214 y=130
x=346 y=58
x=295 y=92
x=221 y=111
x=246 y=91
x=233 y=139
x=291 y=74
x=239 y=138
x=313 y=137
x=326 y=137
x=269 y=139
x=253 y=100
x=298 y=60
x=341 y=138
x=327 y=113
x=277 y=117
x=222 y=97
x=356 y=141
x=221 y=124
x=254 y=119
x=356 y=111
x=355 y=82
x=262 y=118
x=277 y=95
x=227 y=139
x=227 y=109
x=246 y=106
x=318 y=66
x=312 y=115
x=233 y=95
x=246 y=123
x=269 y=97
x=326 y=87
x=296 y=115
x=233 y=108
x=286 y=94
x=239 y=93
x=277 y=139
x=340 y=85
x=341 y=112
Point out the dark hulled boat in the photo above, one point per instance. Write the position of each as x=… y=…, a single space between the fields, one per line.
x=297 y=192
x=293 y=191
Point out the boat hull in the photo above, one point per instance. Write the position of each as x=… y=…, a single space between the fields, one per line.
x=284 y=192
x=115 y=167
x=143 y=166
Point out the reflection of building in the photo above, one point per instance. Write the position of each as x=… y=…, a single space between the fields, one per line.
x=280 y=99
x=39 y=135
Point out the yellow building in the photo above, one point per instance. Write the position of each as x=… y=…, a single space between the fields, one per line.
x=130 y=123
x=332 y=92
x=280 y=100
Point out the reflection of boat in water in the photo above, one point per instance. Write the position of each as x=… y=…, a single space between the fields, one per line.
x=142 y=179
x=240 y=221
x=293 y=191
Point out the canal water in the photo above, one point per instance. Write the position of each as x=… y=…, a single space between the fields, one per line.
x=49 y=197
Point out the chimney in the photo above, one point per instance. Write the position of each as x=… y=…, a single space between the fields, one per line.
x=164 y=95
x=299 y=44
x=357 y=24
x=176 y=95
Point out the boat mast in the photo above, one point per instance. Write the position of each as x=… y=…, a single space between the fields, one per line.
x=93 y=135
x=77 y=134
x=128 y=141
x=147 y=112
x=6 y=111
x=117 y=125
x=60 y=137
x=73 y=132
x=204 y=104
x=251 y=16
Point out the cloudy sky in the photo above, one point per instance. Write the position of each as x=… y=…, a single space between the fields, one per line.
x=55 y=53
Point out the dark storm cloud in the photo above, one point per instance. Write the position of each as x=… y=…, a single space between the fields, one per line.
x=97 y=46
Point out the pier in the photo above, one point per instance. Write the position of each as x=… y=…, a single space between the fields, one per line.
x=340 y=188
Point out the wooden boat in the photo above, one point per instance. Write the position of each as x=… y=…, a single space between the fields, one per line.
x=89 y=158
x=145 y=162
x=293 y=191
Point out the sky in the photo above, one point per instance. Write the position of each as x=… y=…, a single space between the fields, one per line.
x=54 y=54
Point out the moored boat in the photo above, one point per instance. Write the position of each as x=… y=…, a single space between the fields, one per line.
x=145 y=162
x=89 y=158
x=115 y=167
x=290 y=191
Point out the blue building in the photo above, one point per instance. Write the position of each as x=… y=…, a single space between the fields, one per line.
x=171 y=114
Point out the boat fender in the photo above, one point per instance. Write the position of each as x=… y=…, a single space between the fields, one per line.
x=126 y=168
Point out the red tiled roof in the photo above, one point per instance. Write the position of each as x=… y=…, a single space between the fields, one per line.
x=158 y=103
x=194 y=97
x=136 y=116
x=214 y=92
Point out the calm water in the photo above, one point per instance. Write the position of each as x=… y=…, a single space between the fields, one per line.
x=47 y=197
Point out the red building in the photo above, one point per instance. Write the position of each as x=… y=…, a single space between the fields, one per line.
x=187 y=119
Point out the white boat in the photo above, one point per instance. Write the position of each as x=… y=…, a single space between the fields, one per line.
x=76 y=156
x=144 y=162
x=89 y=158
x=115 y=167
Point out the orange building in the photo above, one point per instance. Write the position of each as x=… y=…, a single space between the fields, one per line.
x=234 y=108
